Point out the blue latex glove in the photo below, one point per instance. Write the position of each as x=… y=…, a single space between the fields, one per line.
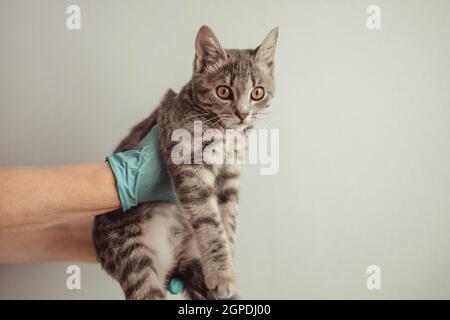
x=140 y=173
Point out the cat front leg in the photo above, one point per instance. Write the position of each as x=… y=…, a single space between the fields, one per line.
x=195 y=188
x=228 y=198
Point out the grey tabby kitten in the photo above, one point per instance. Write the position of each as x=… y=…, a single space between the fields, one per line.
x=193 y=241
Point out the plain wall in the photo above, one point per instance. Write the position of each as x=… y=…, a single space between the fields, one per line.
x=364 y=120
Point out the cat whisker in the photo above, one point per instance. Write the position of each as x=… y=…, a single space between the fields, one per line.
x=271 y=114
x=265 y=122
x=196 y=115
x=210 y=120
x=215 y=124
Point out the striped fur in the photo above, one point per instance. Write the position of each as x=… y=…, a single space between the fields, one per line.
x=146 y=246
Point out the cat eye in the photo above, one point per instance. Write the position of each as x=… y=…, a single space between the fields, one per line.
x=257 y=93
x=224 y=92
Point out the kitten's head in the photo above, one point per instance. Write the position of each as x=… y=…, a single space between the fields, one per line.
x=233 y=85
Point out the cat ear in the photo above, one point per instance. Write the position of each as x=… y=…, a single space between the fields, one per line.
x=208 y=50
x=265 y=53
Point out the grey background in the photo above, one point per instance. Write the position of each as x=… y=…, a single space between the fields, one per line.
x=363 y=117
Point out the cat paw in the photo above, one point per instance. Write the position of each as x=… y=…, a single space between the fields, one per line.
x=222 y=284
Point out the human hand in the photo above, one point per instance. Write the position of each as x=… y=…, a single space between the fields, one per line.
x=140 y=173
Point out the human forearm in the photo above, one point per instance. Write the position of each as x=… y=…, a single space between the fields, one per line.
x=66 y=242
x=44 y=196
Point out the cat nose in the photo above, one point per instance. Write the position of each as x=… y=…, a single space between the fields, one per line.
x=241 y=115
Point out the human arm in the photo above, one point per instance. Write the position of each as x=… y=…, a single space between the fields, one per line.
x=71 y=241
x=46 y=196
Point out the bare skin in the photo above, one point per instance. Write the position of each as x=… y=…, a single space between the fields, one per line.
x=71 y=241
x=36 y=197
x=46 y=213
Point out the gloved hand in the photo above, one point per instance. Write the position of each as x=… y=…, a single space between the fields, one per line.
x=140 y=173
